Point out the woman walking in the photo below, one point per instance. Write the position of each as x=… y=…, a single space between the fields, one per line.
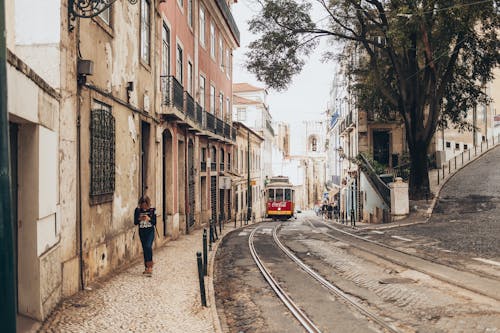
x=145 y=218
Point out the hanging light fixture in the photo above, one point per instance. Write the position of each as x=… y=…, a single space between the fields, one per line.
x=88 y=9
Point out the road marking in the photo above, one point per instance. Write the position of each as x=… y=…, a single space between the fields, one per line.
x=487 y=261
x=402 y=238
x=378 y=232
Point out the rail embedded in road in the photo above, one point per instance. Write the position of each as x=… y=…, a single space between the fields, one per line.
x=335 y=290
x=289 y=303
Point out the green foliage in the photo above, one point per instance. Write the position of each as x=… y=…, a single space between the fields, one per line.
x=428 y=60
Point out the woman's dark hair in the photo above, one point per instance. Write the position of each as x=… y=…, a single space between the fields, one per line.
x=144 y=199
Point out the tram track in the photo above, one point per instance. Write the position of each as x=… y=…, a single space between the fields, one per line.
x=301 y=317
x=463 y=279
x=330 y=287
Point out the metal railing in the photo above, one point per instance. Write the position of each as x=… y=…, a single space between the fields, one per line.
x=203 y=166
x=189 y=105
x=220 y=127
x=227 y=131
x=402 y=171
x=374 y=116
x=199 y=115
x=459 y=160
x=379 y=185
x=234 y=133
x=210 y=125
x=172 y=92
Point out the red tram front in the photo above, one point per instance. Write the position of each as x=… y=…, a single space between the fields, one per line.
x=280 y=199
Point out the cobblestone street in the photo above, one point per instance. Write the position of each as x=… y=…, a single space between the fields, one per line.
x=131 y=302
x=465 y=219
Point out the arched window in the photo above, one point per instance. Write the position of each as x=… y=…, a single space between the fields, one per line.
x=313 y=143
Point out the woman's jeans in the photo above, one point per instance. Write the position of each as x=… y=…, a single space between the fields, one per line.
x=147 y=236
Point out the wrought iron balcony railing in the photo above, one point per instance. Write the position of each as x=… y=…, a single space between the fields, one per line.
x=189 y=105
x=227 y=131
x=172 y=92
x=213 y=166
x=210 y=125
x=203 y=166
x=234 y=132
x=199 y=115
x=220 y=127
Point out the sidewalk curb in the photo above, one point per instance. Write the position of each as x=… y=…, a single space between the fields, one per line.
x=216 y=320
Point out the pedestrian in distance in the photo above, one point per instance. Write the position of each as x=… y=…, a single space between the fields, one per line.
x=145 y=219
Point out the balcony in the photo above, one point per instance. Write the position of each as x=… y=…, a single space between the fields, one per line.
x=190 y=105
x=228 y=16
x=172 y=92
x=347 y=124
x=203 y=166
x=234 y=133
x=222 y=166
x=210 y=123
x=213 y=166
x=220 y=127
x=227 y=131
x=199 y=116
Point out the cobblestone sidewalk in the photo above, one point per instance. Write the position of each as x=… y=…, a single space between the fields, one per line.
x=130 y=302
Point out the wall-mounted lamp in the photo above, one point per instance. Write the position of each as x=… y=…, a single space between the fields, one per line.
x=84 y=68
x=88 y=9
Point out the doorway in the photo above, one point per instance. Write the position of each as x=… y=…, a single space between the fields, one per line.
x=381 y=147
x=166 y=177
x=14 y=133
x=191 y=184
x=145 y=131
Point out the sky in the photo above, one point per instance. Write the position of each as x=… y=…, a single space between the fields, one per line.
x=308 y=94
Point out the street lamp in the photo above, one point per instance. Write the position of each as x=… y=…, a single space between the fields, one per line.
x=88 y=9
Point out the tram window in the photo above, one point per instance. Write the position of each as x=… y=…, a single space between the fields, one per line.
x=271 y=195
x=279 y=194
x=288 y=194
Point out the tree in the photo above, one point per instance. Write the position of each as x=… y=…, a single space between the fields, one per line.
x=426 y=59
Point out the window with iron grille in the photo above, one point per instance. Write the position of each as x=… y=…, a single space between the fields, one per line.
x=102 y=154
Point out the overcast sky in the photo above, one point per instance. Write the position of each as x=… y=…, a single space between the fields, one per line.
x=307 y=96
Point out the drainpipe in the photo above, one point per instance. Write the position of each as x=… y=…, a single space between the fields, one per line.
x=186 y=183
x=8 y=306
x=79 y=170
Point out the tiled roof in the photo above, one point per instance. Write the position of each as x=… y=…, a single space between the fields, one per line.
x=241 y=87
x=242 y=100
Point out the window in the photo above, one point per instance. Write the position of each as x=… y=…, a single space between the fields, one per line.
x=202 y=26
x=227 y=63
x=190 y=13
x=448 y=144
x=288 y=194
x=203 y=154
x=190 y=78
x=466 y=146
x=106 y=16
x=221 y=106
x=181 y=3
x=145 y=30
x=457 y=145
x=271 y=195
x=178 y=68
x=202 y=91
x=314 y=144
x=212 y=99
x=221 y=54
x=165 y=57
x=279 y=194
x=102 y=153
x=228 y=110
x=242 y=114
x=212 y=40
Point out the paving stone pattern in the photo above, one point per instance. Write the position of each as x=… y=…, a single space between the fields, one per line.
x=131 y=302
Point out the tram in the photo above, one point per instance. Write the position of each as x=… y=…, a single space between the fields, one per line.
x=280 y=197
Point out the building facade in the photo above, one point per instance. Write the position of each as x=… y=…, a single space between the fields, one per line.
x=134 y=101
x=247 y=185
